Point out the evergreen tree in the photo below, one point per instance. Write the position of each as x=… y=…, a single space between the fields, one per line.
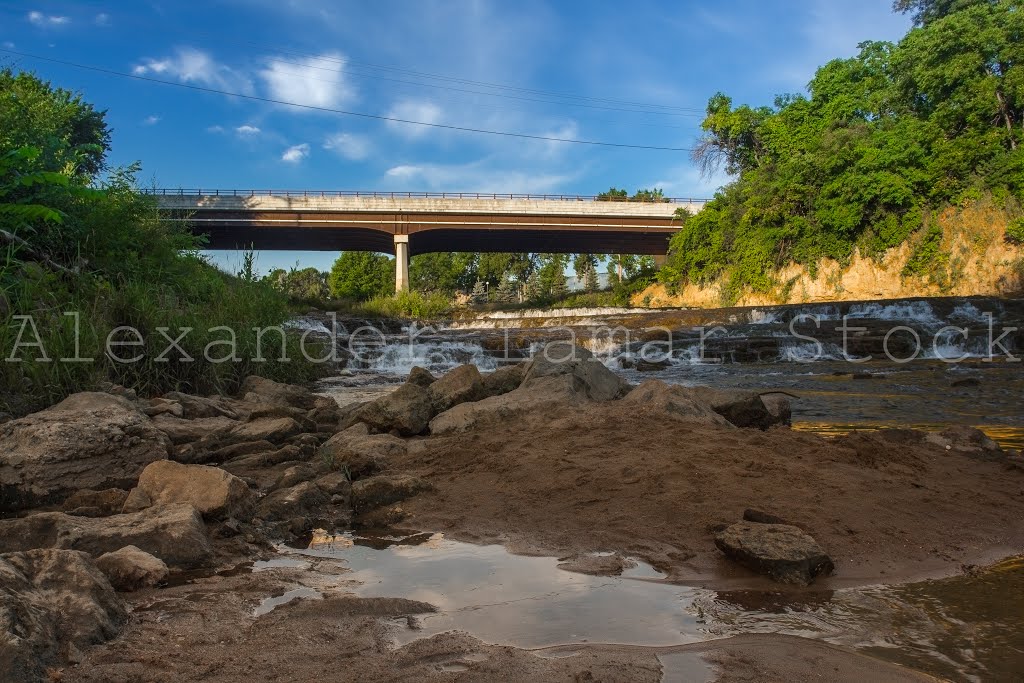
x=508 y=290
x=479 y=293
x=591 y=282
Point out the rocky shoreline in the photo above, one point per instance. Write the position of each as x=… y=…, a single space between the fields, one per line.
x=110 y=502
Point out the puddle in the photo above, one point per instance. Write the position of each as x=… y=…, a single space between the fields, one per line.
x=514 y=600
x=965 y=628
x=268 y=605
x=685 y=667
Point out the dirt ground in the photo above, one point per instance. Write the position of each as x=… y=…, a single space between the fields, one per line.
x=887 y=506
x=207 y=631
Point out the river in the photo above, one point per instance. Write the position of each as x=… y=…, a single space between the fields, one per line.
x=932 y=363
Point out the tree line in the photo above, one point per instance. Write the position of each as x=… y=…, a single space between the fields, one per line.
x=882 y=142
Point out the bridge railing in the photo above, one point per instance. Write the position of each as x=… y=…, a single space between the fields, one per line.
x=193 y=192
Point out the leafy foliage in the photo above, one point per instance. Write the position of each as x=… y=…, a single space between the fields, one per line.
x=84 y=256
x=362 y=275
x=882 y=140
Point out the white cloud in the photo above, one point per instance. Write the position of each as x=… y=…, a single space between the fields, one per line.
x=47 y=20
x=477 y=176
x=413 y=110
x=295 y=153
x=246 y=130
x=102 y=19
x=348 y=145
x=315 y=81
x=151 y=120
x=190 y=65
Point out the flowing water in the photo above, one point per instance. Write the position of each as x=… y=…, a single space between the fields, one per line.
x=916 y=363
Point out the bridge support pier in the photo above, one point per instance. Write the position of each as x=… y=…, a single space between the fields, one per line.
x=660 y=259
x=401 y=263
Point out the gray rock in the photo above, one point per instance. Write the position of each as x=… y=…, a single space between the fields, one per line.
x=273 y=429
x=130 y=569
x=375 y=492
x=181 y=431
x=460 y=385
x=261 y=390
x=88 y=441
x=198 y=407
x=360 y=453
x=421 y=377
x=213 y=492
x=304 y=501
x=407 y=410
x=672 y=400
x=564 y=368
x=174 y=533
x=89 y=503
x=744 y=408
x=783 y=552
x=503 y=380
x=53 y=604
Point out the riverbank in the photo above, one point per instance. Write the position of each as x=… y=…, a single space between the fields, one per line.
x=236 y=511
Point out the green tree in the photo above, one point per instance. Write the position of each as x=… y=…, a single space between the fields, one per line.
x=926 y=11
x=613 y=195
x=508 y=290
x=361 y=275
x=444 y=272
x=479 y=293
x=591 y=283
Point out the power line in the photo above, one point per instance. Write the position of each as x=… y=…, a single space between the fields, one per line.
x=452 y=79
x=278 y=60
x=364 y=115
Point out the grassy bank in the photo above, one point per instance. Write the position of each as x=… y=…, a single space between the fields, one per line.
x=94 y=287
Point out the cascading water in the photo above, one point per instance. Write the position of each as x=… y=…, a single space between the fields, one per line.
x=934 y=361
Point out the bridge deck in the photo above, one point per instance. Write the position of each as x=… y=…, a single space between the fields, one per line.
x=337 y=222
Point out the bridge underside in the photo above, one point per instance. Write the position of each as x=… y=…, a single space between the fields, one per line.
x=594 y=228
x=441 y=239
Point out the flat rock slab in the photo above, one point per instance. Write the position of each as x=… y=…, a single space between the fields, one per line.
x=88 y=441
x=783 y=552
x=174 y=533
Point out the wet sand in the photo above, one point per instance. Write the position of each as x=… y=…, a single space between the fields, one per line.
x=887 y=506
x=207 y=631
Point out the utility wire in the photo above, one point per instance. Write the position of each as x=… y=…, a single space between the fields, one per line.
x=278 y=60
x=452 y=79
x=378 y=117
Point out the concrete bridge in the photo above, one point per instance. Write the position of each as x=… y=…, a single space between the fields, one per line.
x=410 y=223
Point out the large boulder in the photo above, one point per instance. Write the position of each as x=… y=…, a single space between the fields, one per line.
x=131 y=568
x=783 y=552
x=672 y=400
x=261 y=390
x=53 y=604
x=360 y=453
x=89 y=440
x=214 y=493
x=572 y=370
x=460 y=385
x=744 y=408
x=561 y=375
x=503 y=380
x=407 y=410
x=174 y=533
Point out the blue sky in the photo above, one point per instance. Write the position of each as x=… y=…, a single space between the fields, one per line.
x=481 y=64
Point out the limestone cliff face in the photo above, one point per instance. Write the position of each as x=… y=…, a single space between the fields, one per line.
x=973 y=258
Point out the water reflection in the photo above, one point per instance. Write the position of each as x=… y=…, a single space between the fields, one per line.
x=512 y=599
x=966 y=628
